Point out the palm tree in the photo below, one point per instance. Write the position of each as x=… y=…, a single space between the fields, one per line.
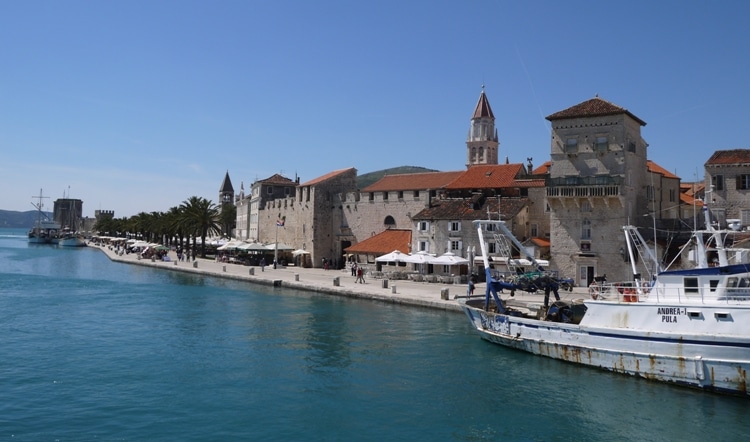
x=228 y=218
x=173 y=222
x=200 y=216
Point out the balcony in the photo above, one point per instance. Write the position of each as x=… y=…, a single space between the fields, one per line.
x=584 y=187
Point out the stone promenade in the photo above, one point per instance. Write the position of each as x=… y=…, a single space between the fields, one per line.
x=333 y=282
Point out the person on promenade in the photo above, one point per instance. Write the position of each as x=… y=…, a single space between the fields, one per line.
x=354 y=269
x=263 y=264
x=471 y=285
x=360 y=276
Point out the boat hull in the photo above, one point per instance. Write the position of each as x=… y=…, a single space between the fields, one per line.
x=74 y=241
x=699 y=361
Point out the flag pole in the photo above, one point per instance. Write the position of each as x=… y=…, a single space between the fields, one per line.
x=279 y=223
x=276 y=246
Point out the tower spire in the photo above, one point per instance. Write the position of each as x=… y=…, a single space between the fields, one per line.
x=482 y=143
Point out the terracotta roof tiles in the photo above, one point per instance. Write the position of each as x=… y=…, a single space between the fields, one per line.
x=543 y=169
x=690 y=200
x=413 y=181
x=528 y=183
x=472 y=208
x=540 y=242
x=655 y=168
x=692 y=188
x=595 y=107
x=326 y=177
x=382 y=243
x=277 y=179
x=487 y=177
x=726 y=157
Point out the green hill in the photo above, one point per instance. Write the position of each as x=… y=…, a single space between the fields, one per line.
x=15 y=220
x=366 y=179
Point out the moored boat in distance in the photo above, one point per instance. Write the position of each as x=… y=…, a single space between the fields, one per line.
x=69 y=238
x=689 y=327
x=44 y=231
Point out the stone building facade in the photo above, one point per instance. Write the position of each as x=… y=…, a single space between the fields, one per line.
x=598 y=179
x=727 y=184
x=597 y=184
x=264 y=195
x=446 y=226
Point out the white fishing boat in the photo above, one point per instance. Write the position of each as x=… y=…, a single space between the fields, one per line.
x=68 y=238
x=688 y=327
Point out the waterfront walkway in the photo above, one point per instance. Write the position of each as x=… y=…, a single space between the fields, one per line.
x=333 y=282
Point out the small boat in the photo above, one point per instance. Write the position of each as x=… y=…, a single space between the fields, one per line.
x=689 y=327
x=68 y=238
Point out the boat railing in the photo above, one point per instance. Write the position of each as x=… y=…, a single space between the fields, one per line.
x=619 y=291
x=629 y=291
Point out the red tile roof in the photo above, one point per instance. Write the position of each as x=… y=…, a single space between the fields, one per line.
x=692 y=188
x=277 y=179
x=413 y=181
x=595 y=107
x=543 y=169
x=655 y=168
x=327 y=176
x=689 y=200
x=469 y=209
x=540 y=242
x=536 y=182
x=382 y=243
x=725 y=157
x=487 y=177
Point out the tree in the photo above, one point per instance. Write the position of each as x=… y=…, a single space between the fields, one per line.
x=200 y=217
x=228 y=218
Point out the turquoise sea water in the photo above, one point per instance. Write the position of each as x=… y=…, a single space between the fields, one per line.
x=95 y=350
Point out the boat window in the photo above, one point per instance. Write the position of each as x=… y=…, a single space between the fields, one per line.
x=691 y=285
x=731 y=282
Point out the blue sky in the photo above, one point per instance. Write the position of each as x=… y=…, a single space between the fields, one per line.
x=138 y=105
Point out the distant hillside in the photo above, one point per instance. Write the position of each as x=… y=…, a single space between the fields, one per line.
x=366 y=179
x=12 y=219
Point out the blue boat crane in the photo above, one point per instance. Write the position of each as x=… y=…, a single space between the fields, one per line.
x=527 y=282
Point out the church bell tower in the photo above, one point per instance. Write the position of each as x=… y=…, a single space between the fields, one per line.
x=482 y=145
x=226 y=192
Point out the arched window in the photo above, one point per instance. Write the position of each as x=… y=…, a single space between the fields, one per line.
x=389 y=221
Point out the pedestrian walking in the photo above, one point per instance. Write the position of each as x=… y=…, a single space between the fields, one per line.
x=360 y=276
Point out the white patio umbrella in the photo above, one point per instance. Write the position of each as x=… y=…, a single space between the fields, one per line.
x=252 y=246
x=278 y=246
x=300 y=252
x=394 y=256
x=231 y=245
x=449 y=259
x=420 y=258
